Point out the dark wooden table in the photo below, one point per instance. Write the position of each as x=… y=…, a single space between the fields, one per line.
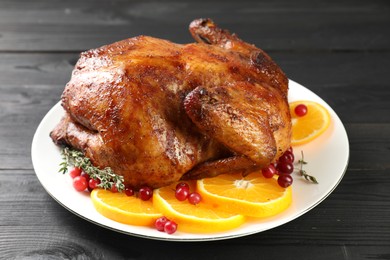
x=338 y=49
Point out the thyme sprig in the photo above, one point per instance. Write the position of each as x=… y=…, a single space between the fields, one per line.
x=106 y=176
x=303 y=173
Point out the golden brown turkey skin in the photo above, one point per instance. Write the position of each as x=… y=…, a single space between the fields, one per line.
x=153 y=110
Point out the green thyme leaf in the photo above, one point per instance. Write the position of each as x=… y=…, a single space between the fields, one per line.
x=303 y=172
x=77 y=159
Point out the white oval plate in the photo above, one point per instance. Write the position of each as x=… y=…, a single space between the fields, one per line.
x=327 y=158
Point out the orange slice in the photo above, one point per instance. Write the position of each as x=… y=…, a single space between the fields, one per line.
x=311 y=125
x=124 y=209
x=200 y=218
x=252 y=195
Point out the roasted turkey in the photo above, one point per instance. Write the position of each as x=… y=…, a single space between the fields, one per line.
x=157 y=112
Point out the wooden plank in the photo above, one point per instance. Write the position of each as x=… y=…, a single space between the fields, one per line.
x=36 y=68
x=21 y=110
x=45 y=247
x=103 y=245
x=76 y=26
x=369 y=146
x=354 y=84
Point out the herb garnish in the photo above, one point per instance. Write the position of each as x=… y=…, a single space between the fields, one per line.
x=303 y=173
x=77 y=159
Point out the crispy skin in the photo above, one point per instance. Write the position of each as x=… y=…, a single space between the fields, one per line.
x=153 y=110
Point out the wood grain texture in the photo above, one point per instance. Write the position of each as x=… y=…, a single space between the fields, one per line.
x=338 y=49
x=73 y=25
